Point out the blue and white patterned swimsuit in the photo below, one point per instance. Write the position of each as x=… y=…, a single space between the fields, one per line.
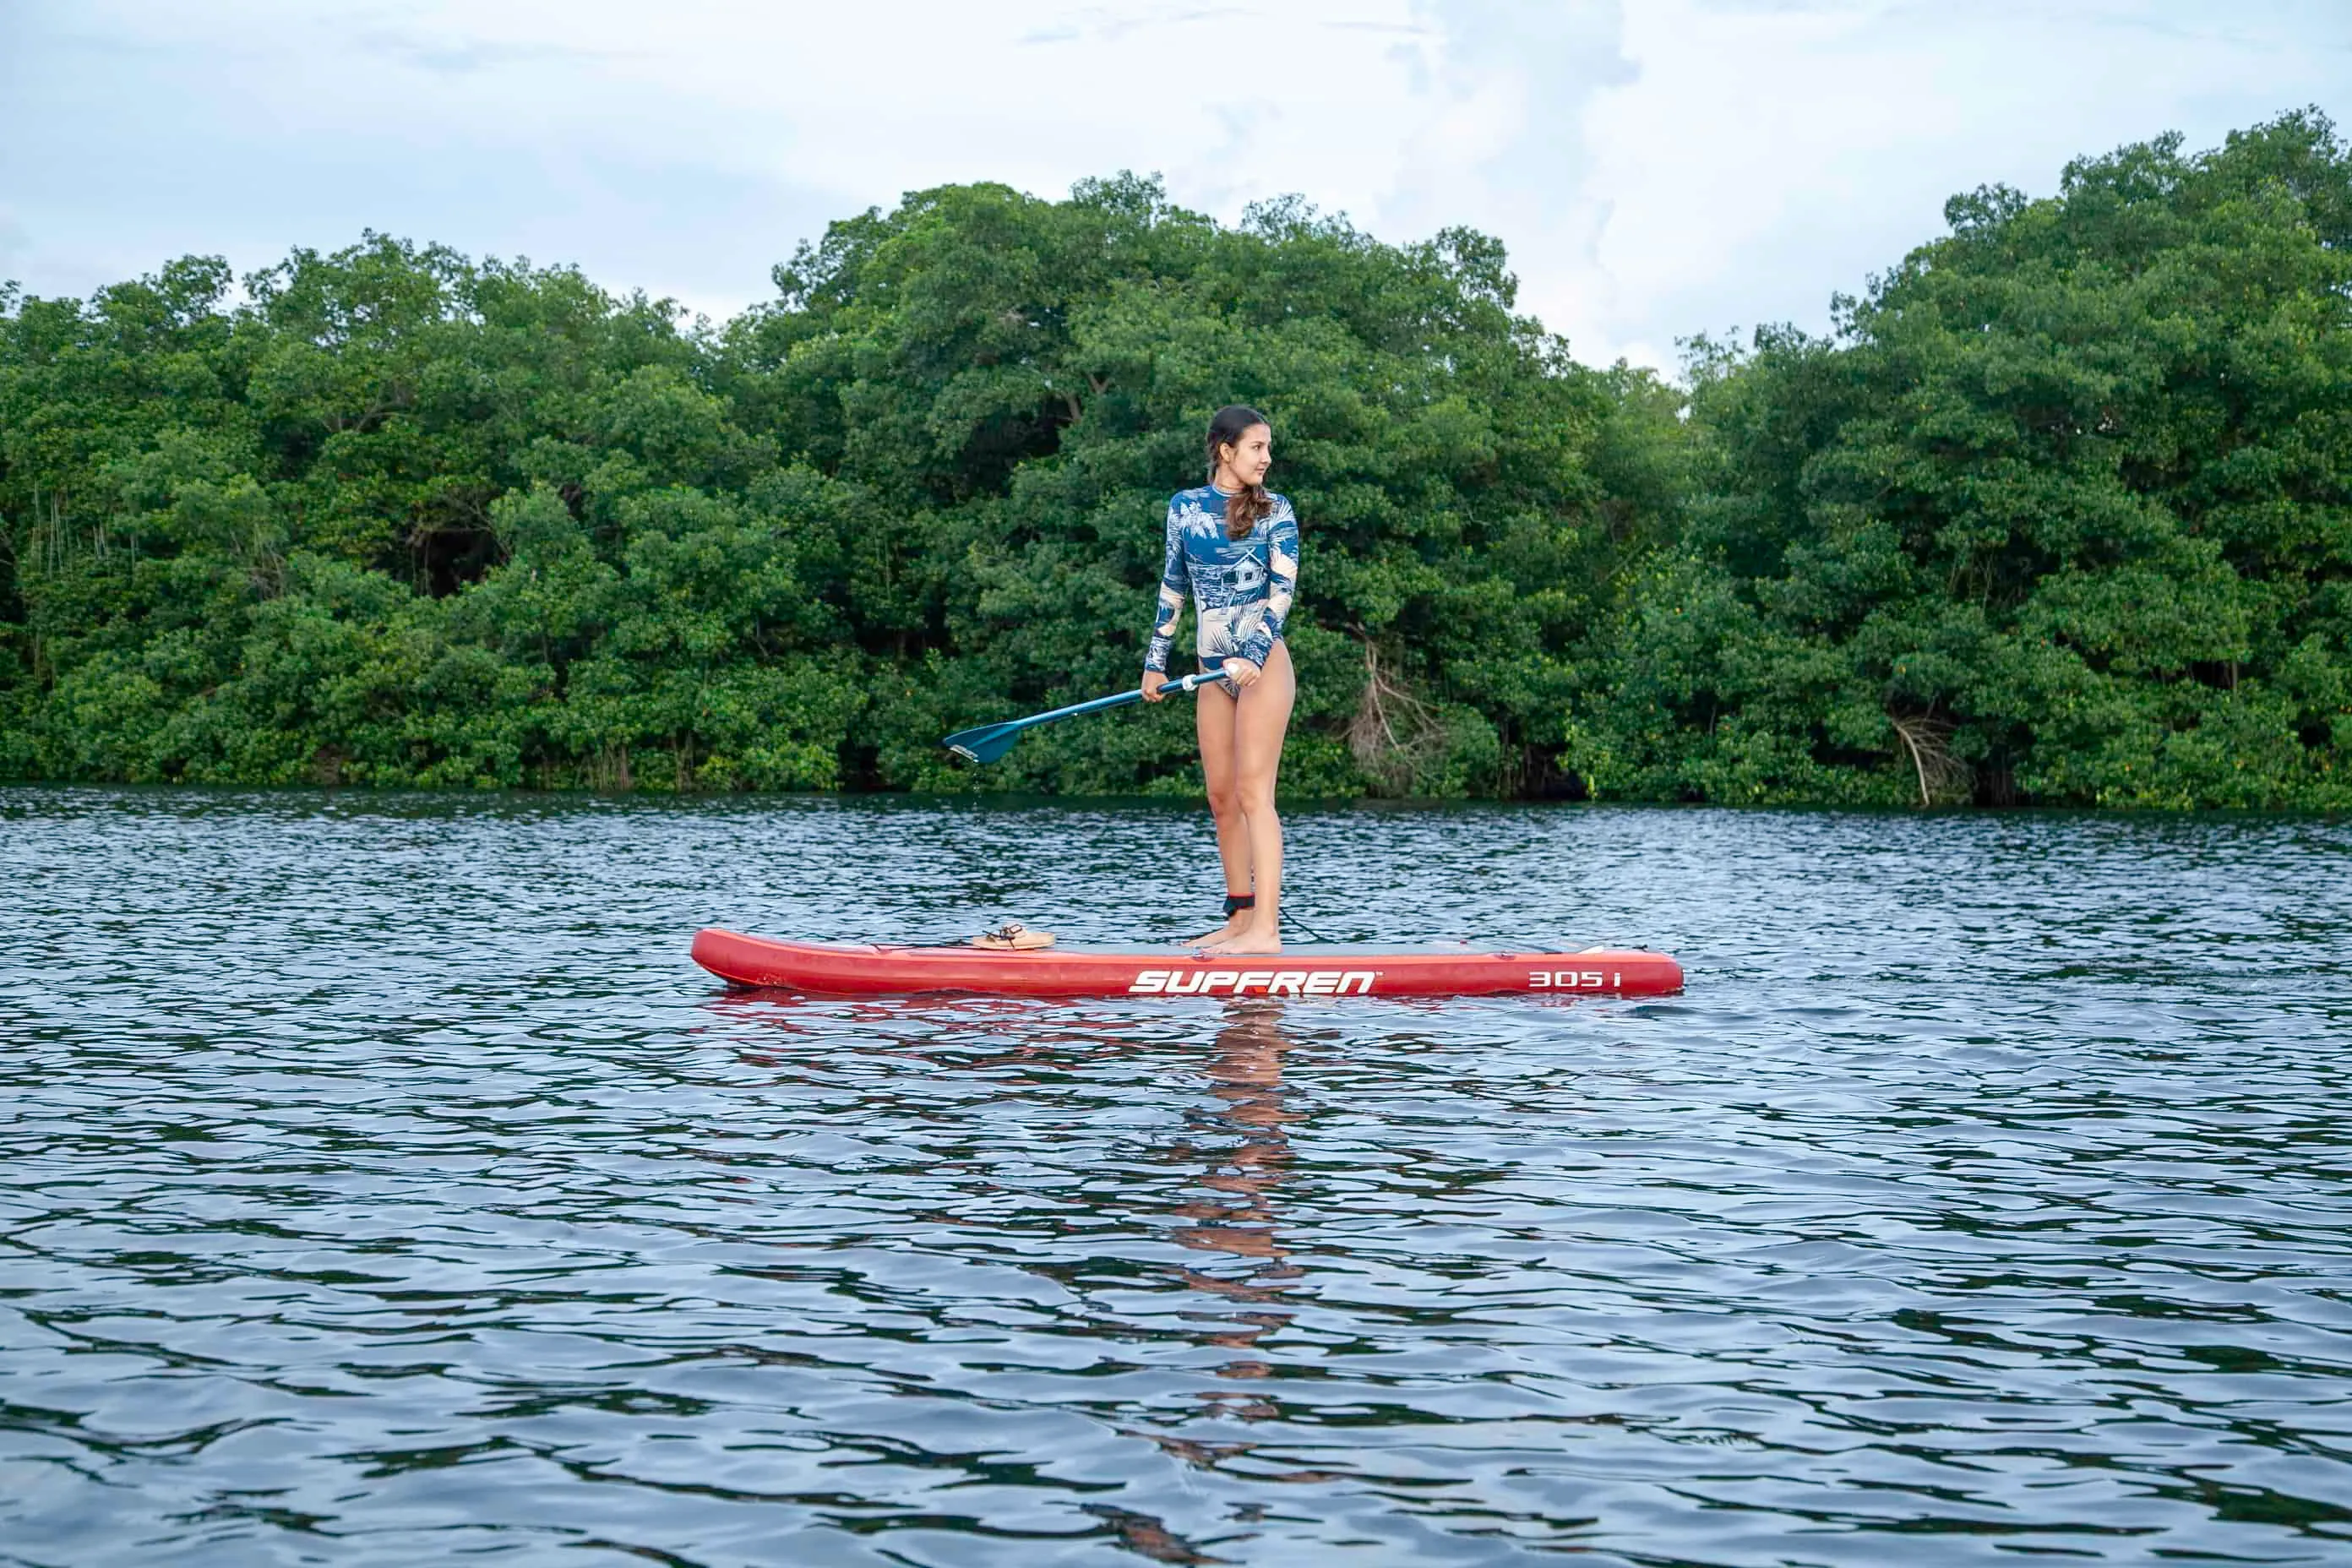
x=1242 y=588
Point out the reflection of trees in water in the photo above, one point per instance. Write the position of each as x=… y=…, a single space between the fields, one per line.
x=1245 y=1157
x=1244 y=1068
x=1238 y=1153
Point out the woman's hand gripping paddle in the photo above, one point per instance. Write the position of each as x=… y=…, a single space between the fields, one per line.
x=991 y=741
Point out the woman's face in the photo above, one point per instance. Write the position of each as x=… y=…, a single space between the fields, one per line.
x=1248 y=458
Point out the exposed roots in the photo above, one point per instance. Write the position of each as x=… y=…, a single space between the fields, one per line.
x=1394 y=736
x=1928 y=739
x=608 y=770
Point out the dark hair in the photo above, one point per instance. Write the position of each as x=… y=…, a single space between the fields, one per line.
x=1226 y=427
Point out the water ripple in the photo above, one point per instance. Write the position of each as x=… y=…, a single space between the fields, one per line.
x=380 y=1185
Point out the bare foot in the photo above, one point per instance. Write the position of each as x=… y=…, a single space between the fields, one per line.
x=1225 y=932
x=1248 y=941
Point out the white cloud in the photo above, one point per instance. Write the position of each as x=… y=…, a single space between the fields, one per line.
x=1768 y=154
x=1657 y=168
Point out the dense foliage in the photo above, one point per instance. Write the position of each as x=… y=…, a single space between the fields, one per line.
x=2057 y=514
x=2060 y=514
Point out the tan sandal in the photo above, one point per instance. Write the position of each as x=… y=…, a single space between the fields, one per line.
x=1013 y=936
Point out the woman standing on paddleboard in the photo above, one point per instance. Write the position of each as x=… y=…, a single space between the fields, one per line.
x=1234 y=545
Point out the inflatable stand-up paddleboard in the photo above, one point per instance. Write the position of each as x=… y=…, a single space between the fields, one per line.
x=843 y=969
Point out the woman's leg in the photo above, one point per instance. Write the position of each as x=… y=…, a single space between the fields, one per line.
x=1212 y=719
x=1261 y=718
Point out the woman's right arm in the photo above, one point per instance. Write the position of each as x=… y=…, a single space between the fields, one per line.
x=1175 y=583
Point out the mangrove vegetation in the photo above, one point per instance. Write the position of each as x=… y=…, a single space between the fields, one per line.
x=2060 y=512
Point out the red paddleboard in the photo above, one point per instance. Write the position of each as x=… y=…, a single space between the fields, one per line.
x=842 y=968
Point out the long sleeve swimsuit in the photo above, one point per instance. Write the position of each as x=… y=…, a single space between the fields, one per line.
x=1241 y=587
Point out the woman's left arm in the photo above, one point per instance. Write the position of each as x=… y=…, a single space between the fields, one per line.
x=1281 y=586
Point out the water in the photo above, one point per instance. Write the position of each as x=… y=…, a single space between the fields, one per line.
x=381 y=1186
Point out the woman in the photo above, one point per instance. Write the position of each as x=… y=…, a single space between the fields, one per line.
x=1235 y=546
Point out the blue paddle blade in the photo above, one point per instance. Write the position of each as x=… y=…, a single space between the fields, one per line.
x=985 y=744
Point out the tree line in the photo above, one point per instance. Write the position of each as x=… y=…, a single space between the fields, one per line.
x=2057 y=513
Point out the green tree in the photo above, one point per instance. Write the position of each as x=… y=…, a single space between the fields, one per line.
x=2060 y=513
x=1010 y=387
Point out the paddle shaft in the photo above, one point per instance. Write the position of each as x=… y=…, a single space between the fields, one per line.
x=1116 y=700
x=989 y=742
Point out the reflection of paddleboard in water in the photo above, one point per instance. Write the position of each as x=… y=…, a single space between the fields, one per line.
x=873 y=970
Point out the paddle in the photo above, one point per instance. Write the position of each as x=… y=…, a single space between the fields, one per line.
x=991 y=741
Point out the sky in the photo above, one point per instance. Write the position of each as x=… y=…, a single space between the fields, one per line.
x=1657 y=168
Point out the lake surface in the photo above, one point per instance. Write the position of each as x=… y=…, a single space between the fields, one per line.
x=380 y=1185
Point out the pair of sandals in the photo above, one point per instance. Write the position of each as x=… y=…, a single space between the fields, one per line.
x=1014 y=937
